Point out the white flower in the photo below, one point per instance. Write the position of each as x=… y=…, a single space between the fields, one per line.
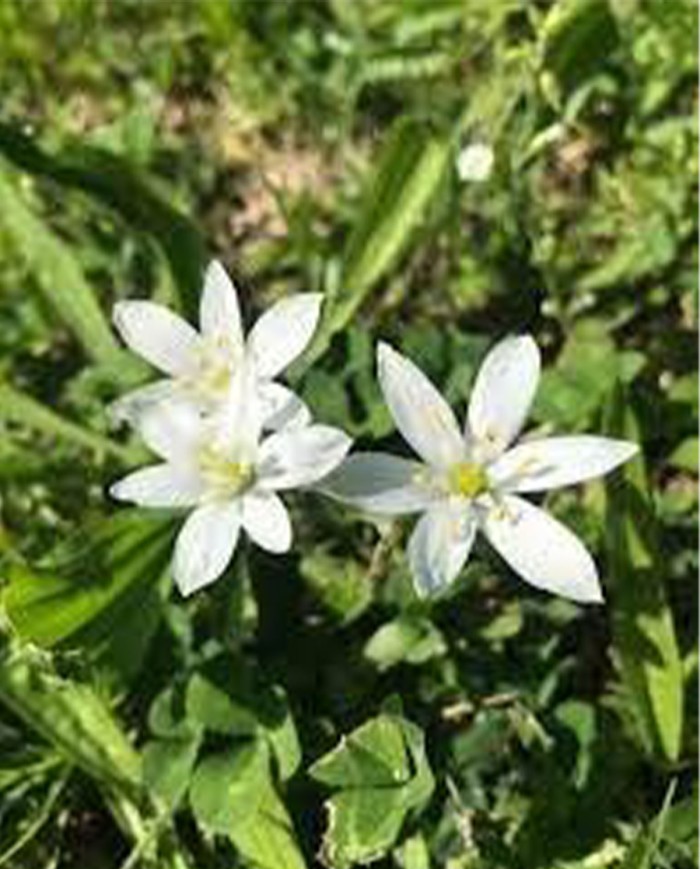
x=219 y=467
x=471 y=480
x=475 y=162
x=200 y=364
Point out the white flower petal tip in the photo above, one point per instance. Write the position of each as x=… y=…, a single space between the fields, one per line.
x=283 y=332
x=266 y=520
x=157 y=334
x=219 y=312
x=536 y=466
x=158 y=486
x=503 y=391
x=205 y=546
x=421 y=414
x=542 y=551
x=301 y=457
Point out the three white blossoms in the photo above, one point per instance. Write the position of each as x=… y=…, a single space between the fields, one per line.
x=231 y=438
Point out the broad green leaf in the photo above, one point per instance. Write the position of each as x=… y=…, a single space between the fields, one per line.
x=168 y=766
x=71 y=716
x=577 y=40
x=226 y=696
x=409 y=639
x=115 y=182
x=86 y=597
x=380 y=775
x=685 y=456
x=57 y=272
x=232 y=795
x=396 y=198
x=21 y=409
x=643 y=629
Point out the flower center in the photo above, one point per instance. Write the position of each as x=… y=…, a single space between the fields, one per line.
x=215 y=365
x=224 y=476
x=467 y=479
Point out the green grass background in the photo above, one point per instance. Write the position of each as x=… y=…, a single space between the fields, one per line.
x=312 y=146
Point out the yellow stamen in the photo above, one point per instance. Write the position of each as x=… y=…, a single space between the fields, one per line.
x=224 y=476
x=467 y=479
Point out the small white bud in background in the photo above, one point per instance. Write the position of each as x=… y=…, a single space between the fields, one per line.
x=475 y=162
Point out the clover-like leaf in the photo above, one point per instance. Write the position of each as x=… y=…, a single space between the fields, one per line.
x=232 y=794
x=380 y=775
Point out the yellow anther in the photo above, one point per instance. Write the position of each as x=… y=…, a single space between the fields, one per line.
x=467 y=479
x=223 y=475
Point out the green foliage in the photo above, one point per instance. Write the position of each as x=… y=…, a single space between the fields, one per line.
x=312 y=146
x=645 y=639
x=379 y=774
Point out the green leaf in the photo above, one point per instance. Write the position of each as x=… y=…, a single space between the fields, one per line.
x=380 y=774
x=685 y=455
x=71 y=717
x=226 y=696
x=340 y=584
x=23 y=410
x=58 y=275
x=410 y=171
x=576 y=41
x=114 y=181
x=232 y=795
x=643 y=630
x=409 y=639
x=645 y=847
x=168 y=765
x=92 y=586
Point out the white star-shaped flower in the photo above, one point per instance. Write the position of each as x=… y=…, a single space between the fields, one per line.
x=219 y=467
x=472 y=479
x=200 y=365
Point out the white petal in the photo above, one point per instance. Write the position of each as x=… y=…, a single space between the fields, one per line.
x=219 y=312
x=281 y=408
x=172 y=429
x=159 y=486
x=282 y=333
x=380 y=483
x=299 y=457
x=559 y=461
x=266 y=520
x=165 y=340
x=440 y=545
x=205 y=545
x=129 y=407
x=419 y=411
x=502 y=395
x=234 y=428
x=543 y=551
